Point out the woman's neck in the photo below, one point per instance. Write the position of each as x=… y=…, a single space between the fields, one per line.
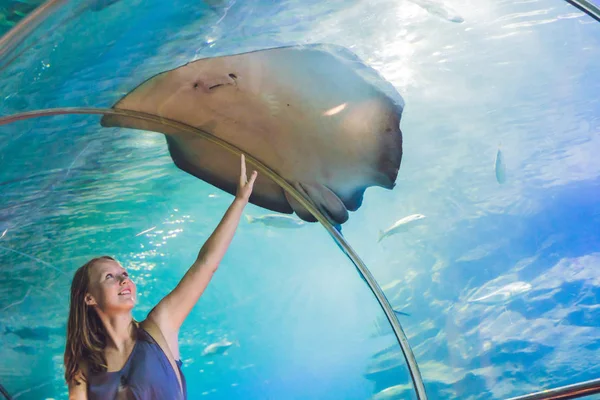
x=120 y=330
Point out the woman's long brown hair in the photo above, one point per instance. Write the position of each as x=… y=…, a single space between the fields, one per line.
x=86 y=337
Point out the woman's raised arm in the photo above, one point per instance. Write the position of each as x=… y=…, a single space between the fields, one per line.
x=172 y=310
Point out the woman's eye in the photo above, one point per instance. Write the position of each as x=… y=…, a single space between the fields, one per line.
x=125 y=274
x=109 y=276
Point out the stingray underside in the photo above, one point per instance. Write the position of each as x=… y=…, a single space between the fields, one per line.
x=330 y=169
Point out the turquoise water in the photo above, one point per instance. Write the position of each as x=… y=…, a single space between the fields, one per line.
x=519 y=76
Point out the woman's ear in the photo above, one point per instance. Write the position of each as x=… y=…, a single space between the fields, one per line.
x=89 y=300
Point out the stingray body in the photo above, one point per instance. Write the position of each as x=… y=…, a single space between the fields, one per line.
x=320 y=118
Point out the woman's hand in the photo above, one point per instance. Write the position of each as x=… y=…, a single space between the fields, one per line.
x=245 y=186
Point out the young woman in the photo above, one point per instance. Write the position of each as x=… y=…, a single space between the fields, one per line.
x=108 y=354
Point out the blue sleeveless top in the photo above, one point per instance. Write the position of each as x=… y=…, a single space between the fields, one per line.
x=147 y=375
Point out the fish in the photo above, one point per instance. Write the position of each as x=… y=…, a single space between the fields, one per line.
x=276 y=220
x=401 y=225
x=382 y=324
x=217 y=348
x=391 y=285
x=383 y=360
x=500 y=167
x=37 y=333
x=276 y=105
x=439 y=9
x=394 y=392
x=503 y=294
x=28 y=350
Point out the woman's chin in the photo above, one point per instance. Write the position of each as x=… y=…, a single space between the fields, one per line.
x=130 y=303
x=126 y=302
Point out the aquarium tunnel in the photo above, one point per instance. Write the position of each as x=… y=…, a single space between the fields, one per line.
x=425 y=223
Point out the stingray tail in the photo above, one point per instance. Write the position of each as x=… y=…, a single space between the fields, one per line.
x=249 y=218
x=381 y=236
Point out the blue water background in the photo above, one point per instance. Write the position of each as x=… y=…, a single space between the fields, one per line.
x=520 y=76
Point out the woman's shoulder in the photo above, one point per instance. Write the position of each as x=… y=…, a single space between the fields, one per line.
x=149 y=327
x=152 y=328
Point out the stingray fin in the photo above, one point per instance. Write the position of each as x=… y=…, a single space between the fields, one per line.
x=324 y=199
x=122 y=121
x=327 y=202
x=366 y=72
x=300 y=211
x=355 y=200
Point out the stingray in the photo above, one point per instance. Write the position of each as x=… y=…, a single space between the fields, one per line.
x=317 y=115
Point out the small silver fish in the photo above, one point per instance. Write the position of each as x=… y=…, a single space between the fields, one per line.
x=503 y=294
x=29 y=350
x=276 y=221
x=394 y=392
x=217 y=348
x=400 y=226
x=439 y=9
x=499 y=167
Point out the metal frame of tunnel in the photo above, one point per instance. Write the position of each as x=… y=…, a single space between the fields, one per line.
x=18 y=33
x=587 y=7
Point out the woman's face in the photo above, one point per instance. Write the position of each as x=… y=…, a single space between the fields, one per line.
x=110 y=287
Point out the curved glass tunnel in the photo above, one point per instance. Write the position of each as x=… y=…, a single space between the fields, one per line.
x=498 y=282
